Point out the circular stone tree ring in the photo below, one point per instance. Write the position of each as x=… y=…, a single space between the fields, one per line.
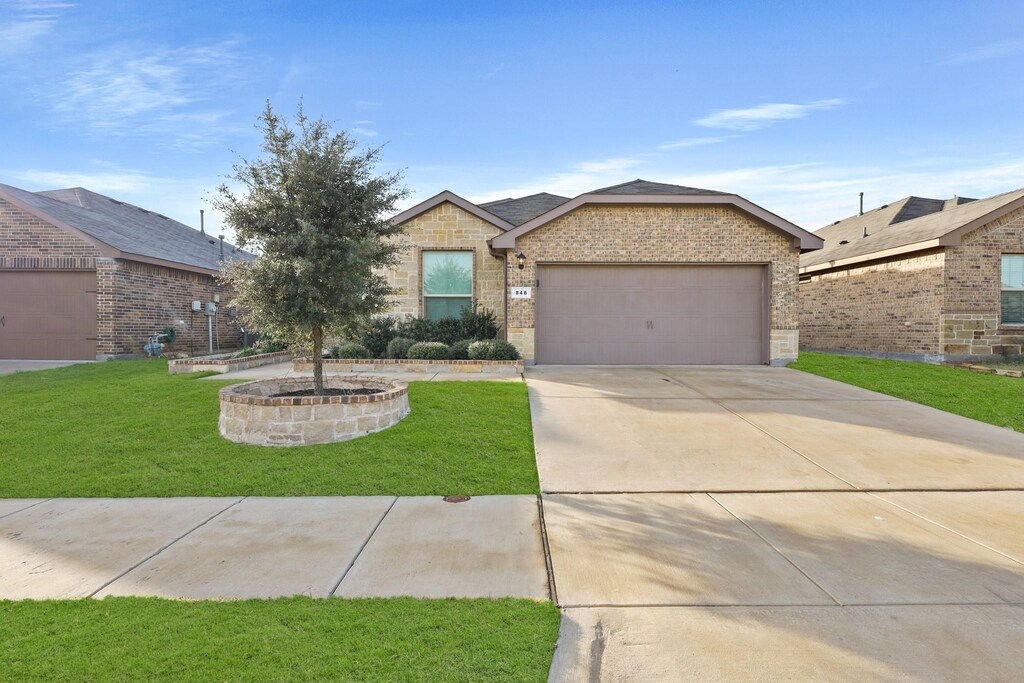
x=276 y=412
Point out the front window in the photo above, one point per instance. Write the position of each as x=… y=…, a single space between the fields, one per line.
x=1012 y=286
x=447 y=283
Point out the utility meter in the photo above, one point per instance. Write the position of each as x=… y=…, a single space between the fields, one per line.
x=211 y=308
x=197 y=306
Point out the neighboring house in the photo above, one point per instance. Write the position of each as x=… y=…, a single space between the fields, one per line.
x=84 y=276
x=637 y=273
x=926 y=279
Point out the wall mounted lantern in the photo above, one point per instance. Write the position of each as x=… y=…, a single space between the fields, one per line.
x=521 y=260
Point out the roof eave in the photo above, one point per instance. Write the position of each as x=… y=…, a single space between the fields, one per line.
x=803 y=239
x=872 y=256
x=464 y=204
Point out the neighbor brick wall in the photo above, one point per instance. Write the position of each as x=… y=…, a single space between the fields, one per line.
x=27 y=242
x=971 y=307
x=887 y=307
x=135 y=300
x=659 y=234
x=447 y=227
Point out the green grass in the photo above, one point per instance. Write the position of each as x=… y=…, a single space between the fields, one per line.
x=989 y=398
x=127 y=428
x=123 y=639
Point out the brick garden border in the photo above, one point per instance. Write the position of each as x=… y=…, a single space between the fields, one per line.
x=406 y=365
x=225 y=363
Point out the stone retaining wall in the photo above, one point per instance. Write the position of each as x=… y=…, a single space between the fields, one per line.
x=250 y=413
x=399 y=365
x=225 y=362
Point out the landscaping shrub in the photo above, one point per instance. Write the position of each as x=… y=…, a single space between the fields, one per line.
x=378 y=333
x=447 y=331
x=261 y=348
x=493 y=349
x=477 y=323
x=460 y=349
x=351 y=350
x=419 y=329
x=399 y=347
x=429 y=351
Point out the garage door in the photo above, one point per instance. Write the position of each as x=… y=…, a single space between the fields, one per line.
x=651 y=315
x=48 y=315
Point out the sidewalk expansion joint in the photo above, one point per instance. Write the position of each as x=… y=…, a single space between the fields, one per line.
x=362 y=547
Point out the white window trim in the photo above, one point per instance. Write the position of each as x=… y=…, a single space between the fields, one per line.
x=1007 y=289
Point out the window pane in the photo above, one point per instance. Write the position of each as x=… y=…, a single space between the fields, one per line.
x=448 y=272
x=445 y=307
x=1013 y=308
x=1013 y=271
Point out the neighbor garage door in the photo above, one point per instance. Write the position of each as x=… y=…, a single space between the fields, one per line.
x=48 y=315
x=651 y=315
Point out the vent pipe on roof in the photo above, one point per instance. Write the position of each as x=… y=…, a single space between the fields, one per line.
x=202 y=224
x=865 y=231
x=221 y=238
x=862 y=205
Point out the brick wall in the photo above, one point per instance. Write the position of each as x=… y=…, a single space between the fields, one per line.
x=446 y=226
x=887 y=307
x=660 y=234
x=971 y=307
x=135 y=300
x=27 y=242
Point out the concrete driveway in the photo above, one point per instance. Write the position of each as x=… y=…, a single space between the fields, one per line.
x=9 y=367
x=764 y=524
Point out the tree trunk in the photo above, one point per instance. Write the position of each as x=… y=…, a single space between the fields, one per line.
x=318 y=361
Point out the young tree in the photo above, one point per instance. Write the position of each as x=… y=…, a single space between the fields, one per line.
x=316 y=213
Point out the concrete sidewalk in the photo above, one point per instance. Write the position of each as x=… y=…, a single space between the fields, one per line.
x=201 y=548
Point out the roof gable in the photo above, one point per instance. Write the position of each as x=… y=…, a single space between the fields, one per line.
x=641 y=186
x=458 y=201
x=888 y=232
x=129 y=230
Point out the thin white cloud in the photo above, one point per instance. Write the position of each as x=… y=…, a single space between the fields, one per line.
x=97 y=181
x=367 y=104
x=24 y=22
x=582 y=177
x=365 y=132
x=153 y=91
x=983 y=53
x=764 y=115
x=494 y=72
x=695 y=142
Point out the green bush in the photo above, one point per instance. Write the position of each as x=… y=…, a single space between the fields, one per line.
x=351 y=350
x=261 y=348
x=377 y=333
x=429 y=351
x=419 y=329
x=447 y=331
x=477 y=323
x=460 y=349
x=399 y=347
x=493 y=349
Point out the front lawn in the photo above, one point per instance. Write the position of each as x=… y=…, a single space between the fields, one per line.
x=127 y=428
x=292 y=639
x=989 y=398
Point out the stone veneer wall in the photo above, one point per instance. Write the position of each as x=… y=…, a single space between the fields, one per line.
x=971 y=307
x=446 y=227
x=660 y=234
x=888 y=307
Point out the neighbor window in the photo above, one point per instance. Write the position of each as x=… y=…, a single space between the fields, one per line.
x=1012 y=285
x=447 y=283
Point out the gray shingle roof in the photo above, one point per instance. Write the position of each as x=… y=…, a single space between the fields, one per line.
x=518 y=211
x=640 y=186
x=888 y=227
x=128 y=228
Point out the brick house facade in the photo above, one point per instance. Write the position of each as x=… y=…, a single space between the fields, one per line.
x=638 y=223
x=941 y=299
x=134 y=295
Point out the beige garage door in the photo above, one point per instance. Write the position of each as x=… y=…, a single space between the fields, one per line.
x=48 y=315
x=651 y=315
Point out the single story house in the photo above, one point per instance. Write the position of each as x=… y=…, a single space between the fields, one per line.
x=637 y=273
x=85 y=276
x=923 y=279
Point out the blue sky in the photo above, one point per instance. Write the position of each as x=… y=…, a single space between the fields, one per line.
x=796 y=106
